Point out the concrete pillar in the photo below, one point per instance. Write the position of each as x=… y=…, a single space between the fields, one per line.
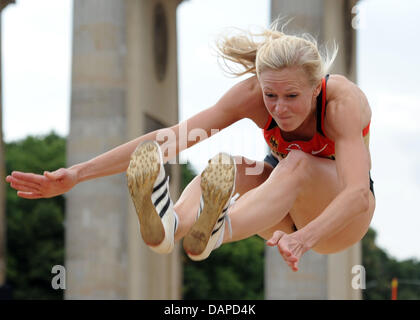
x=320 y=276
x=152 y=102
x=3 y=4
x=338 y=26
x=309 y=283
x=116 y=96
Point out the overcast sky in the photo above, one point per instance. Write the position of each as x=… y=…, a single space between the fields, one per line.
x=36 y=90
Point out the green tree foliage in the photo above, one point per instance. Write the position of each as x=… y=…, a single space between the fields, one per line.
x=380 y=269
x=233 y=271
x=35 y=231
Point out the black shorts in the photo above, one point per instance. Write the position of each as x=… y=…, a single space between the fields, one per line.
x=272 y=161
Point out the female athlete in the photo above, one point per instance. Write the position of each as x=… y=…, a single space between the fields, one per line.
x=313 y=191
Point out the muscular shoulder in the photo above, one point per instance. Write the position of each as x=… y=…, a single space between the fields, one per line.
x=346 y=105
x=245 y=100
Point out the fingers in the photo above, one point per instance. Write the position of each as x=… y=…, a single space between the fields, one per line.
x=28 y=177
x=292 y=262
x=29 y=195
x=294 y=266
x=290 y=258
x=283 y=249
x=275 y=238
x=22 y=185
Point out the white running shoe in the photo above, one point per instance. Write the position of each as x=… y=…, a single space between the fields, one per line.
x=217 y=188
x=149 y=190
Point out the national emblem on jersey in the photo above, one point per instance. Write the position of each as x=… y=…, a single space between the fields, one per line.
x=273 y=142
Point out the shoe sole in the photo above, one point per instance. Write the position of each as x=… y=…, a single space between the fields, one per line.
x=217 y=182
x=142 y=173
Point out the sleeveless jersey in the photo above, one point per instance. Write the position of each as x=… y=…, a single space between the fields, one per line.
x=320 y=145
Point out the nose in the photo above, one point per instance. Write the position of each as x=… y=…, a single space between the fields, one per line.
x=279 y=108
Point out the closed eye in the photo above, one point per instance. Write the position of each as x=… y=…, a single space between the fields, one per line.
x=269 y=95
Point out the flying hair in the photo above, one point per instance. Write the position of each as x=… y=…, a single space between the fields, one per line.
x=274 y=49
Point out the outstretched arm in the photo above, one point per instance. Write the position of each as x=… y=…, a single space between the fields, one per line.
x=229 y=109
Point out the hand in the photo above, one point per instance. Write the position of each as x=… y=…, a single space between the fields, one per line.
x=291 y=247
x=35 y=186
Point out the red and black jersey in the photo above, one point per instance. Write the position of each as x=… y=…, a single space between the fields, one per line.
x=320 y=145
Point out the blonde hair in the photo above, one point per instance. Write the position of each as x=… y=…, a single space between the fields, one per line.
x=274 y=50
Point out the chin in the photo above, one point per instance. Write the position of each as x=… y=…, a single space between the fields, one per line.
x=287 y=126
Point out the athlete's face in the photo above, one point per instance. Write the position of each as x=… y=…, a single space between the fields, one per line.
x=288 y=96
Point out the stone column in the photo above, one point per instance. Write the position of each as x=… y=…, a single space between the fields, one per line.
x=152 y=103
x=309 y=283
x=96 y=242
x=338 y=26
x=320 y=276
x=3 y=4
x=117 y=95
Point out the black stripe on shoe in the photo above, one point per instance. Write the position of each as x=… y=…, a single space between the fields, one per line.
x=165 y=208
x=159 y=185
x=215 y=230
x=175 y=224
x=220 y=219
x=158 y=200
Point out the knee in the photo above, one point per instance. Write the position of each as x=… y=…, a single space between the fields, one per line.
x=179 y=206
x=297 y=158
x=295 y=165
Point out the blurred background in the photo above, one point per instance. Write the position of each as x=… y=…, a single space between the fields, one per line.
x=37 y=54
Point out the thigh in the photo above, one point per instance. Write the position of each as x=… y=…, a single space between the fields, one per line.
x=286 y=225
x=248 y=183
x=320 y=188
